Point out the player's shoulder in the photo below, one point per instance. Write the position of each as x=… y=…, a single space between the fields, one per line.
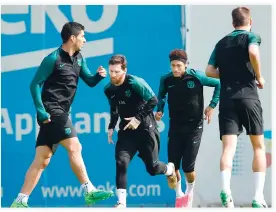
x=222 y=41
x=243 y=33
x=108 y=87
x=137 y=82
x=254 y=38
x=253 y=35
x=230 y=35
x=52 y=57
x=167 y=76
x=194 y=72
x=133 y=79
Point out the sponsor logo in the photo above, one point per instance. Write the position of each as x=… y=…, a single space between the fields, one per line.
x=128 y=93
x=67 y=131
x=190 y=84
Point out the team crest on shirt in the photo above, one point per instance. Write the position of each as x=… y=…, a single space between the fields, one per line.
x=67 y=131
x=79 y=62
x=190 y=84
x=128 y=93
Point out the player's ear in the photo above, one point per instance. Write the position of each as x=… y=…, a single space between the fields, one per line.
x=186 y=64
x=73 y=38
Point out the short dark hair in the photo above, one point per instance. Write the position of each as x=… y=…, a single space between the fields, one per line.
x=70 y=28
x=178 y=54
x=118 y=59
x=241 y=16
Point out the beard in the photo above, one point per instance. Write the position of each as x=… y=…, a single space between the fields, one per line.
x=118 y=80
x=114 y=81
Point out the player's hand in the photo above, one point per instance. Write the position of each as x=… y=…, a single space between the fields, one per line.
x=132 y=124
x=47 y=120
x=208 y=114
x=260 y=82
x=158 y=115
x=102 y=72
x=110 y=134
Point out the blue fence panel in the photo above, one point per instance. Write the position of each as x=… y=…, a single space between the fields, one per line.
x=145 y=34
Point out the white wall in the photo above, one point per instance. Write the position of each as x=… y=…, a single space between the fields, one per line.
x=207 y=25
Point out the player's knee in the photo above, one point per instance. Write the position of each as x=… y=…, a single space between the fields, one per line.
x=42 y=162
x=72 y=145
x=188 y=168
x=78 y=147
x=151 y=171
x=75 y=147
x=42 y=157
x=45 y=163
x=122 y=162
x=259 y=146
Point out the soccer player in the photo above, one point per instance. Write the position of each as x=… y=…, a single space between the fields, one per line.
x=184 y=88
x=236 y=61
x=59 y=73
x=132 y=100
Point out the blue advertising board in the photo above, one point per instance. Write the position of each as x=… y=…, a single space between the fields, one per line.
x=144 y=34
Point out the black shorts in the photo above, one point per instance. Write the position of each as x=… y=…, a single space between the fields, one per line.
x=144 y=141
x=234 y=114
x=184 y=146
x=50 y=134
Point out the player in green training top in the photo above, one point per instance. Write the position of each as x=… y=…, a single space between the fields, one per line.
x=184 y=88
x=236 y=61
x=132 y=100
x=59 y=73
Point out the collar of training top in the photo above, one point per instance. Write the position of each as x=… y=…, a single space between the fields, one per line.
x=66 y=53
x=125 y=80
x=239 y=30
x=187 y=70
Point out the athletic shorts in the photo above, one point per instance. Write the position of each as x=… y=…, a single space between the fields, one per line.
x=50 y=134
x=234 y=114
x=184 y=145
x=144 y=141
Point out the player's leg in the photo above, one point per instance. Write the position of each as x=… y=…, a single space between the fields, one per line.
x=252 y=118
x=91 y=194
x=175 y=145
x=69 y=140
x=229 y=143
x=124 y=151
x=148 y=151
x=230 y=127
x=44 y=152
x=259 y=170
x=189 y=154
